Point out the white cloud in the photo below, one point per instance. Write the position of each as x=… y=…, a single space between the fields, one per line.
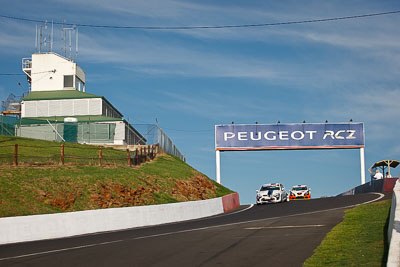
x=377 y=108
x=238 y=105
x=181 y=13
x=147 y=52
x=16 y=38
x=155 y=57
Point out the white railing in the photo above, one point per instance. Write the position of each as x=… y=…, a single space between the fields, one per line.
x=26 y=63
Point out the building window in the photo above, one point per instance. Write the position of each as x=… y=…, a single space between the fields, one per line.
x=68 y=80
x=79 y=85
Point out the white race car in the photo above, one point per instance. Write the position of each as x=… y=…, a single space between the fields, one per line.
x=271 y=193
x=300 y=192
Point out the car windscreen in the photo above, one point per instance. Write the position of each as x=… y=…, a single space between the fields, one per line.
x=266 y=188
x=299 y=188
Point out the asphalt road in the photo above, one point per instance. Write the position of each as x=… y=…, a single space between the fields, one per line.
x=283 y=234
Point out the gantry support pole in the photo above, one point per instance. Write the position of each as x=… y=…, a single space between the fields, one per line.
x=362 y=161
x=218 y=166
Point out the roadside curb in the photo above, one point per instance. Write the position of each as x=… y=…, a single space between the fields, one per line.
x=394 y=229
x=50 y=226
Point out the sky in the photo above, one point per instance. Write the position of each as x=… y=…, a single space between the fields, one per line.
x=191 y=80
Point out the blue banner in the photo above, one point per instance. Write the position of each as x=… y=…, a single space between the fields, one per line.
x=289 y=136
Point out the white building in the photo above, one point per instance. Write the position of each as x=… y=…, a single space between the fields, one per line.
x=52 y=72
x=58 y=107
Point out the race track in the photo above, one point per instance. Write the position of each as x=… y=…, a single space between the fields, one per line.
x=283 y=234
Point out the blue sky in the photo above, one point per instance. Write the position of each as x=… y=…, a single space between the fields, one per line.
x=191 y=80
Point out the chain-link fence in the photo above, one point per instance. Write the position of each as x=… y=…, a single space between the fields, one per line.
x=155 y=135
x=88 y=132
x=7 y=125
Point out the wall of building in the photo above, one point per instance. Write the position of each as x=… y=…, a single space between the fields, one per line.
x=48 y=70
x=43 y=132
x=108 y=133
x=62 y=107
x=109 y=111
x=96 y=133
x=90 y=133
x=119 y=138
x=132 y=138
x=68 y=107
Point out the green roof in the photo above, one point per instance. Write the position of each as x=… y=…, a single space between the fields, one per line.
x=60 y=119
x=60 y=94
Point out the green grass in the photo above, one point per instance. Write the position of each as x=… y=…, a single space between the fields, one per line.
x=41 y=189
x=33 y=151
x=360 y=240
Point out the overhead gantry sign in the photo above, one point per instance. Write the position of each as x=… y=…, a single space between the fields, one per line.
x=242 y=137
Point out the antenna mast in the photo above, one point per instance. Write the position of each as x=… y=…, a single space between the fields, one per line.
x=42 y=39
x=69 y=35
x=68 y=39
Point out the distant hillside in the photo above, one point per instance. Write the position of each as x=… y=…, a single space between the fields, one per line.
x=41 y=189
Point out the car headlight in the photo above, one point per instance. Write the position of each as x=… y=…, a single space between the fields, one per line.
x=277 y=195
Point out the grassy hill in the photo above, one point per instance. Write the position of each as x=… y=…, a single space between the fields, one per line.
x=50 y=188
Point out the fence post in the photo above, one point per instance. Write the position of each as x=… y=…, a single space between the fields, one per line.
x=62 y=154
x=149 y=152
x=16 y=155
x=137 y=157
x=100 y=156
x=128 y=154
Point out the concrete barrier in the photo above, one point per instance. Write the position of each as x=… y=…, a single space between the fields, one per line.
x=230 y=202
x=394 y=229
x=50 y=226
x=383 y=186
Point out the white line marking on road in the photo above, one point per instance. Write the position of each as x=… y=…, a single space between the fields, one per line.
x=186 y=231
x=249 y=207
x=380 y=197
x=60 y=250
x=116 y=241
x=284 y=227
x=230 y=213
